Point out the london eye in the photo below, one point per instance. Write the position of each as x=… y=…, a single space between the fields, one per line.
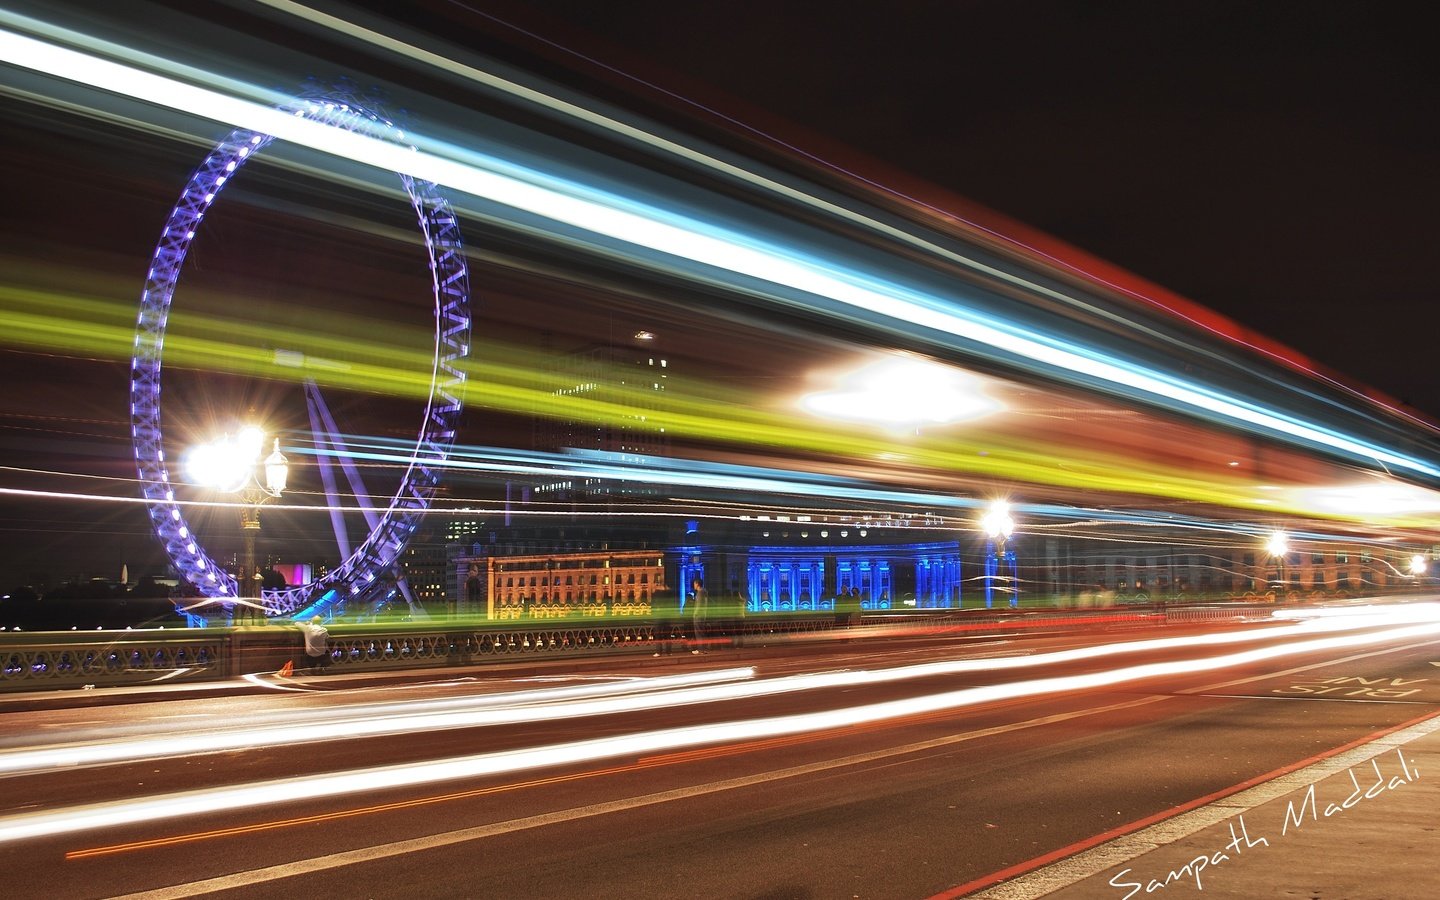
x=369 y=567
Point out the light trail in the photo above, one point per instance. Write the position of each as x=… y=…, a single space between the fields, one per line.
x=422 y=716
x=9 y=763
x=366 y=781
x=1184 y=311
x=680 y=237
x=655 y=141
x=500 y=378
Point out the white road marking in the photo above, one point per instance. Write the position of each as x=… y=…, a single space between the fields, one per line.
x=256 y=680
x=1320 y=665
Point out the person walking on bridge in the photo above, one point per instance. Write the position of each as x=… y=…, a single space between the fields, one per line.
x=699 y=601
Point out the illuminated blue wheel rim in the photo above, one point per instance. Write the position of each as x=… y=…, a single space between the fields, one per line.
x=360 y=577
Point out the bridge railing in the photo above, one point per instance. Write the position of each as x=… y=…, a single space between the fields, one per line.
x=56 y=660
x=35 y=661
x=360 y=649
x=45 y=660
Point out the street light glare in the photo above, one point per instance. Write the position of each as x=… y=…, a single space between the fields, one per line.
x=230 y=465
x=250 y=441
x=998 y=523
x=219 y=464
x=1278 y=544
x=1418 y=565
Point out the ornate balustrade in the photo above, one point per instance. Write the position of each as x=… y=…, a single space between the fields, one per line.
x=45 y=660
x=53 y=660
x=1217 y=612
x=359 y=648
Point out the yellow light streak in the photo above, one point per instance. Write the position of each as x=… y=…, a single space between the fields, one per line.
x=503 y=377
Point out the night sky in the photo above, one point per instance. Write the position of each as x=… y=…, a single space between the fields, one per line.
x=1276 y=162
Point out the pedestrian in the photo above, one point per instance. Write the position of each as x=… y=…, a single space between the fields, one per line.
x=698 y=603
x=317 y=645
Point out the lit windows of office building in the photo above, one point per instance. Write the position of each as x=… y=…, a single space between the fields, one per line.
x=597 y=379
x=463 y=528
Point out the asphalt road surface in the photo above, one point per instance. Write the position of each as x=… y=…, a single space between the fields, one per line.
x=875 y=768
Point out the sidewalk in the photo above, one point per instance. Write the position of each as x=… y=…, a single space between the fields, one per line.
x=1361 y=825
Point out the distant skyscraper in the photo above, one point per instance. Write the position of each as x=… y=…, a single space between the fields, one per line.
x=624 y=382
x=428 y=558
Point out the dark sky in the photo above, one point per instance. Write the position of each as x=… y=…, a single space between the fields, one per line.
x=1276 y=162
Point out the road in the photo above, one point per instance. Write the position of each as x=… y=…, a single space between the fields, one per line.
x=899 y=767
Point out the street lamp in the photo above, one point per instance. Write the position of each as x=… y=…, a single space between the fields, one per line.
x=998 y=525
x=234 y=466
x=1278 y=546
x=1418 y=565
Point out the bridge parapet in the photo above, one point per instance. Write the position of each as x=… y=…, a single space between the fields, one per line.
x=48 y=660
x=42 y=661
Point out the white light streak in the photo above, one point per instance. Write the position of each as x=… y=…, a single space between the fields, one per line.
x=657 y=230
x=367 y=781
x=903 y=390
x=1377 y=498
x=610 y=699
x=367 y=720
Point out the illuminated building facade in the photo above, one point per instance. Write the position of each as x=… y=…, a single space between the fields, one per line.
x=622 y=583
x=778 y=565
x=794 y=564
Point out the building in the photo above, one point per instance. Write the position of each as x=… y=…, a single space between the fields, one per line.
x=615 y=390
x=559 y=585
x=766 y=564
x=786 y=563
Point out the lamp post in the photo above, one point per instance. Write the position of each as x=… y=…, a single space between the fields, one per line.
x=234 y=466
x=1278 y=546
x=998 y=525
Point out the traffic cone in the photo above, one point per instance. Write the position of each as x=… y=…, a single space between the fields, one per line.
x=287 y=670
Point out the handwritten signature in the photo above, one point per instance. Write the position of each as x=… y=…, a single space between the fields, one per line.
x=1295 y=818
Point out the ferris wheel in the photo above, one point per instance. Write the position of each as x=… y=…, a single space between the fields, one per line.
x=367 y=572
